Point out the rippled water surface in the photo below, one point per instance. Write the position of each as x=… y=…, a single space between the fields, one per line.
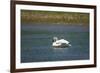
x=36 y=42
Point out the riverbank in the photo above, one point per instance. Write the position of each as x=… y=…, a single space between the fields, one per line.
x=51 y=17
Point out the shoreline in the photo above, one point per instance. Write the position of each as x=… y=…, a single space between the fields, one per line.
x=55 y=24
x=51 y=17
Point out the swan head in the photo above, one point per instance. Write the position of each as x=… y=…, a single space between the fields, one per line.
x=55 y=39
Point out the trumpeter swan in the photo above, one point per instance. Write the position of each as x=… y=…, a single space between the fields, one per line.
x=62 y=43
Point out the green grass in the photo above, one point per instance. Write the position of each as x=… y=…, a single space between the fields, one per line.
x=32 y=16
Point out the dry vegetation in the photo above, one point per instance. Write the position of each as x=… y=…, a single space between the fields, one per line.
x=30 y=16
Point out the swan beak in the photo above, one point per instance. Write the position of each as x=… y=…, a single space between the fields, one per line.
x=70 y=45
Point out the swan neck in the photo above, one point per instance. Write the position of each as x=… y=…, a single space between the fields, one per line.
x=55 y=39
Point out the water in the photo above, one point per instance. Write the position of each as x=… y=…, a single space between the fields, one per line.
x=36 y=43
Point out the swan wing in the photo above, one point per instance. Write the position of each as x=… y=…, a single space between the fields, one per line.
x=62 y=41
x=56 y=44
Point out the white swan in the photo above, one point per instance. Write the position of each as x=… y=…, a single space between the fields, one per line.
x=60 y=43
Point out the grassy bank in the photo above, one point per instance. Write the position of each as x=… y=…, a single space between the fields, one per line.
x=30 y=16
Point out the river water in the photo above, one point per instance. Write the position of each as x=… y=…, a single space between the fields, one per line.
x=36 y=42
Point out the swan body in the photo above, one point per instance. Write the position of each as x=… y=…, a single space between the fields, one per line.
x=62 y=43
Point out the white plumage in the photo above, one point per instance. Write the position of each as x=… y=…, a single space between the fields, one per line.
x=60 y=43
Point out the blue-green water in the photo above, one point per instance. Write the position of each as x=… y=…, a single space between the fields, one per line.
x=36 y=42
